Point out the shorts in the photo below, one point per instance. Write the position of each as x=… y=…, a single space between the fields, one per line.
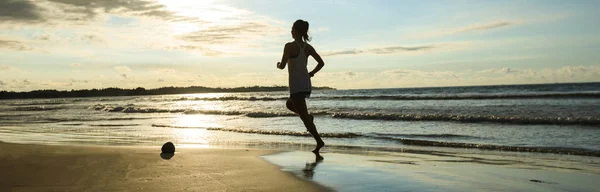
x=300 y=95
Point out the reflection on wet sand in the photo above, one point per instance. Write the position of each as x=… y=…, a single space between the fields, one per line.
x=309 y=169
x=441 y=171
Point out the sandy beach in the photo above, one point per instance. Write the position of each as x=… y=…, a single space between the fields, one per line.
x=64 y=168
x=29 y=167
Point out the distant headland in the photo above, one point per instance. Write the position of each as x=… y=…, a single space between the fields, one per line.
x=106 y=92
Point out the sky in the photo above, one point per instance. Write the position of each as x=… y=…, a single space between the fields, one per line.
x=85 y=44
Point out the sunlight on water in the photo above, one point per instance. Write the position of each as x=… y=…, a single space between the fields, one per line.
x=194 y=136
x=199 y=105
x=205 y=95
x=190 y=130
x=197 y=121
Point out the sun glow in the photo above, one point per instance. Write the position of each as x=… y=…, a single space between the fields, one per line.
x=205 y=10
x=208 y=13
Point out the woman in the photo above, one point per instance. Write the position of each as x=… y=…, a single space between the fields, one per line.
x=296 y=55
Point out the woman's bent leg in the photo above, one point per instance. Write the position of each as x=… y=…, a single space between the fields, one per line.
x=308 y=120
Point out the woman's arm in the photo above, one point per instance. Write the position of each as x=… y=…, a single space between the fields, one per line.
x=285 y=57
x=317 y=57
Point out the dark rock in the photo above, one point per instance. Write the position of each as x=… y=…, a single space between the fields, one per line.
x=168 y=148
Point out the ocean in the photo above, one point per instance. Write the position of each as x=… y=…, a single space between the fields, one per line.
x=545 y=118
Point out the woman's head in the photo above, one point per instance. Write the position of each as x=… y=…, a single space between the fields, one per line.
x=300 y=30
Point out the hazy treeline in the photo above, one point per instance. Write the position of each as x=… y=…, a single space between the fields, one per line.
x=137 y=91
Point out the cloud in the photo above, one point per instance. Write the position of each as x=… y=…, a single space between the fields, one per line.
x=482 y=27
x=397 y=72
x=19 y=10
x=162 y=72
x=389 y=50
x=384 y=50
x=92 y=38
x=227 y=33
x=83 y=27
x=431 y=33
x=81 y=10
x=204 y=50
x=123 y=71
x=347 y=52
x=13 y=45
x=45 y=37
x=142 y=8
x=6 y=68
x=79 y=81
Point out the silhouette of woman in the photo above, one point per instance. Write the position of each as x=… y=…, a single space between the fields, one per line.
x=296 y=55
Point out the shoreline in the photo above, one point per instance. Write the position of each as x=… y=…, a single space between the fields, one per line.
x=33 y=167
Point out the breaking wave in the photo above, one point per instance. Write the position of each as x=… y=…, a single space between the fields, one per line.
x=131 y=109
x=557 y=150
x=36 y=103
x=473 y=118
x=473 y=96
x=425 y=135
x=470 y=96
x=284 y=132
x=230 y=98
x=593 y=121
x=113 y=125
x=36 y=108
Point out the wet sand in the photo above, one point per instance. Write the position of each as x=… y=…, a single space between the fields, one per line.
x=62 y=168
x=443 y=171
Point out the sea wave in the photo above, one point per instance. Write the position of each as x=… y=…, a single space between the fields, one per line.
x=285 y=132
x=473 y=118
x=87 y=119
x=230 y=98
x=592 y=121
x=36 y=103
x=36 y=108
x=473 y=96
x=557 y=150
x=113 y=125
x=264 y=132
x=468 y=96
x=131 y=109
x=424 y=135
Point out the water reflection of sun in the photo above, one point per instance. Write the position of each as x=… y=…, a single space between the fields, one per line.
x=191 y=130
x=195 y=121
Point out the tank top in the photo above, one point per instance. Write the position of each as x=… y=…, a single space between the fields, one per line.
x=299 y=80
